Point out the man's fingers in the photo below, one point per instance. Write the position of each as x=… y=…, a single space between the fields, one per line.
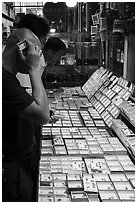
x=20 y=53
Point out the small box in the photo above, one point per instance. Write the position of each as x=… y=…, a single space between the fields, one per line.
x=79 y=196
x=110 y=157
x=60 y=191
x=61 y=198
x=44 y=167
x=125 y=185
x=96 y=151
x=46 y=150
x=45 y=177
x=127 y=162
x=129 y=168
x=126 y=195
x=108 y=195
x=123 y=158
x=55 y=162
x=46 y=198
x=75 y=185
x=46 y=143
x=55 y=158
x=78 y=165
x=93 y=197
x=73 y=177
x=113 y=163
x=76 y=158
x=71 y=151
x=106 y=185
x=66 y=167
x=44 y=190
x=84 y=151
x=90 y=186
x=59 y=183
x=59 y=177
x=55 y=166
x=116 y=168
x=101 y=177
x=130 y=175
x=118 y=177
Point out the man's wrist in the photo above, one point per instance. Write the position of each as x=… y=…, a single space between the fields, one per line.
x=34 y=72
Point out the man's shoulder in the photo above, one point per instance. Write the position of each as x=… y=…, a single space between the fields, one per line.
x=7 y=75
x=9 y=81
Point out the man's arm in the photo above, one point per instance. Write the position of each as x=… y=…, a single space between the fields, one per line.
x=37 y=111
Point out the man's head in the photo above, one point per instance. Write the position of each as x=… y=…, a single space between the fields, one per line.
x=53 y=49
x=38 y=25
x=31 y=28
x=11 y=54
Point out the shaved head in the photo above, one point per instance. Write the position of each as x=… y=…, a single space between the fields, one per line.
x=11 y=55
x=22 y=34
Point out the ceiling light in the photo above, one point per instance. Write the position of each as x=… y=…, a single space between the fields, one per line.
x=52 y=30
x=71 y=3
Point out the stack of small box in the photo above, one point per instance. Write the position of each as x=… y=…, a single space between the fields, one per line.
x=59 y=146
x=75 y=179
x=46 y=147
x=80 y=160
x=52 y=188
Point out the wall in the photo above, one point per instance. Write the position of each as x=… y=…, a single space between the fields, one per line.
x=131 y=59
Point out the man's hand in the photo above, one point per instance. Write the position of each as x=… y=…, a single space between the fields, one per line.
x=52 y=119
x=31 y=60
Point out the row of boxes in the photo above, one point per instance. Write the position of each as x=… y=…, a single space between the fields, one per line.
x=45 y=177
x=94 y=114
x=107 y=166
x=109 y=97
x=90 y=165
x=74 y=91
x=86 y=179
x=75 y=132
x=125 y=84
x=87 y=187
x=82 y=118
x=94 y=82
x=87 y=146
x=109 y=93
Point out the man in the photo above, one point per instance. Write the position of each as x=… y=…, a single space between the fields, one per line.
x=20 y=110
x=53 y=49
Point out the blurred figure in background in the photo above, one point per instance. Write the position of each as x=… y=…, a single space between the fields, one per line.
x=53 y=50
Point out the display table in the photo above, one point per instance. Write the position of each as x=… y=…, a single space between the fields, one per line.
x=81 y=159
